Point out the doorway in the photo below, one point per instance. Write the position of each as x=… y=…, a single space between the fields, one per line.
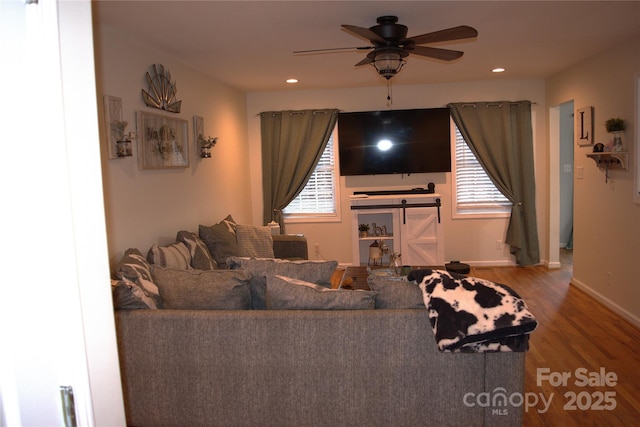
x=561 y=180
x=566 y=170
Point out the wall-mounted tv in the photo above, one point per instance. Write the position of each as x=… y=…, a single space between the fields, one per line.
x=394 y=142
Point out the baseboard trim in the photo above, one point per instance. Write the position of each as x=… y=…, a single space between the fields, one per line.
x=498 y=263
x=625 y=314
x=552 y=265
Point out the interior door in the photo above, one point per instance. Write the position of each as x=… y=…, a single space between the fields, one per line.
x=56 y=316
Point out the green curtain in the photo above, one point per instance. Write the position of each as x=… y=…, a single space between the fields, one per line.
x=501 y=137
x=292 y=144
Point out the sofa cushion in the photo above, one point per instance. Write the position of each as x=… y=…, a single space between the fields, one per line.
x=220 y=239
x=317 y=272
x=394 y=293
x=129 y=296
x=135 y=268
x=285 y=293
x=203 y=289
x=201 y=258
x=254 y=241
x=175 y=256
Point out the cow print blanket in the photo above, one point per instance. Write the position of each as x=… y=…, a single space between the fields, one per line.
x=472 y=315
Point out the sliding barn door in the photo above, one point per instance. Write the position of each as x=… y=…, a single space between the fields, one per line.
x=421 y=238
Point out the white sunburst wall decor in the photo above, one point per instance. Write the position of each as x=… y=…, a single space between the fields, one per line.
x=161 y=91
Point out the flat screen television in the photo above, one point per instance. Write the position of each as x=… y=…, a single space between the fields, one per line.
x=394 y=142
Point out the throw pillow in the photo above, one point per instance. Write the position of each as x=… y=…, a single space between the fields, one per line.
x=201 y=259
x=220 y=240
x=285 y=293
x=203 y=290
x=135 y=268
x=129 y=296
x=175 y=255
x=395 y=293
x=254 y=241
x=317 y=272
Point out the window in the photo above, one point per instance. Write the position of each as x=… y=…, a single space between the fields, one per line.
x=474 y=193
x=318 y=199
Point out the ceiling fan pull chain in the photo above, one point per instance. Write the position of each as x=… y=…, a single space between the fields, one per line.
x=389 y=99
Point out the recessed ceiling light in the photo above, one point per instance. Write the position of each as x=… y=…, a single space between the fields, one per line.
x=292 y=80
x=498 y=70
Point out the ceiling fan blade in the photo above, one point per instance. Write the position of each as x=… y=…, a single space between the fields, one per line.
x=437 y=53
x=365 y=61
x=454 y=33
x=365 y=33
x=333 y=49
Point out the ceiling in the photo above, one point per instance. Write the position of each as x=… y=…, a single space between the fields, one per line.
x=250 y=44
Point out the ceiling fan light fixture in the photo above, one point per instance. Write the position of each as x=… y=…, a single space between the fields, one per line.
x=388 y=63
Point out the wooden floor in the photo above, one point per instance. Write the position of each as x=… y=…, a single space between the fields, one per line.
x=574 y=333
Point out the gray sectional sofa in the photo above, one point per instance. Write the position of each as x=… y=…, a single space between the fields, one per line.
x=306 y=368
x=265 y=342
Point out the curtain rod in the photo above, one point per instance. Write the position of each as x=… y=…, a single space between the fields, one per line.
x=490 y=104
x=291 y=113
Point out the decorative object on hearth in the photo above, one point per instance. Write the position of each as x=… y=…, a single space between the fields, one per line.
x=615 y=126
x=395 y=262
x=375 y=254
x=161 y=91
x=384 y=248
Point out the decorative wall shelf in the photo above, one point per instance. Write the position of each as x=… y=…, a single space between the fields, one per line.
x=611 y=159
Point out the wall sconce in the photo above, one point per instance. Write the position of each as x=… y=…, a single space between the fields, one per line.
x=123 y=146
x=205 y=145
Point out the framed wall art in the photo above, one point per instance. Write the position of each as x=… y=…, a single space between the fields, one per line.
x=584 y=126
x=163 y=142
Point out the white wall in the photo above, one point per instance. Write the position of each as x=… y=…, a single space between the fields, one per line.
x=606 y=220
x=467 y=240
x=151 y=206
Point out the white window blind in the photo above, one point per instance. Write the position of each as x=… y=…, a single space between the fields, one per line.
x=318 y=198
x=475 y=192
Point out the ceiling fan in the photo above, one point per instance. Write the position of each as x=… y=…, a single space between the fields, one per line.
x=390 y=44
